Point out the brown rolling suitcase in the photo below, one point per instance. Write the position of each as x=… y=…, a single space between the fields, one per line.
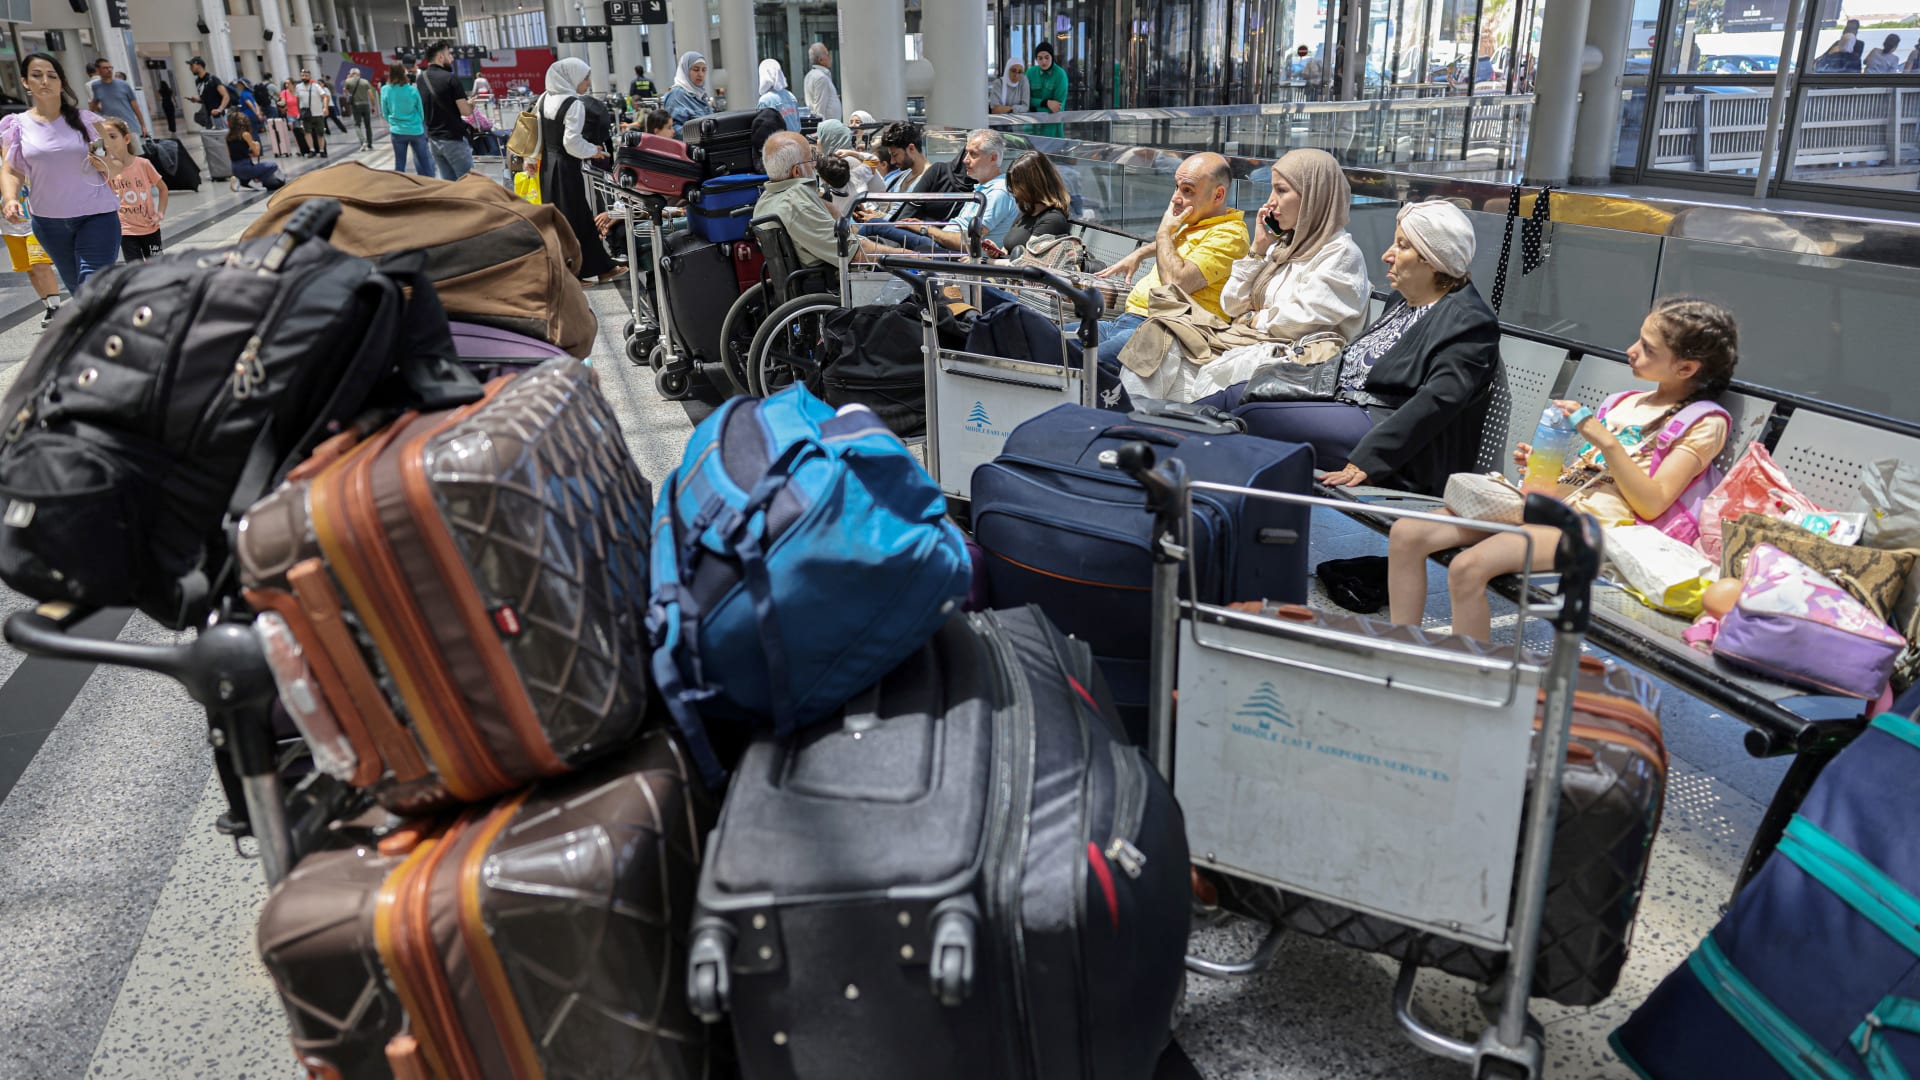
x=466 y=588
x=1611 y=793
x=494 y=259
x=544 y=936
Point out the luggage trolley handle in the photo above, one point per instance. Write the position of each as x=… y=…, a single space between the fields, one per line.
x=223 y=668
x=1087 y=304
x=847 y=227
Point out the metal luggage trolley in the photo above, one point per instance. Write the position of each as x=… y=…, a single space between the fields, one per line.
x=648 y=332
x=974 y=400
x=785 y=309
x=1301 y=763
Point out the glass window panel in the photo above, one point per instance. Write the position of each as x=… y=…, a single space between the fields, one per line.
x=1730 y=38
x=1856 y=136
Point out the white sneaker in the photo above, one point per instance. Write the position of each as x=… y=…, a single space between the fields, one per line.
x=233 y=183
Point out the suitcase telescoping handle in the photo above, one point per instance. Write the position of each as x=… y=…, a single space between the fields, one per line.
x=313 y=219
x=848 y=226
x=1087 y=304
x=224 y=668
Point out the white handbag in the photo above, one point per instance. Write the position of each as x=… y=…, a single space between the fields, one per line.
x=1485 y=497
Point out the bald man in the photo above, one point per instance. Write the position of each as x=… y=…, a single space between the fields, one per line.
x=1198 y=240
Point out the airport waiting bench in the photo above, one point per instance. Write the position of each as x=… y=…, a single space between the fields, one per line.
x=1821 y=448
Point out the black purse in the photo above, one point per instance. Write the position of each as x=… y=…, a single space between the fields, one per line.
x=1296 y=378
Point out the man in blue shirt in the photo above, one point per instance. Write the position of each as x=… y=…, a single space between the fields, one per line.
x=115 y=97
x=986 y=163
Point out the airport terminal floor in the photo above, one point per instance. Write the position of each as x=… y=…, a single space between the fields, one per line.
x=128 y=941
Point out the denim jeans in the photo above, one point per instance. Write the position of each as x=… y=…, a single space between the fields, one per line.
x=79 y=247
x=422 y=154
x=1114 y=334
x=899 y=237
x=452 y=158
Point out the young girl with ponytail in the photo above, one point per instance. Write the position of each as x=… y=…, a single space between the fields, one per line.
x=1646 y=460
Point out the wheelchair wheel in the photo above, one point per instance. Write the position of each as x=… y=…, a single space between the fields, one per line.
x=787 y=346
x=737 y=334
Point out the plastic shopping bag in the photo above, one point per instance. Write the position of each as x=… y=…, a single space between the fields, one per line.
x=1658 y=570
x=1890 y=497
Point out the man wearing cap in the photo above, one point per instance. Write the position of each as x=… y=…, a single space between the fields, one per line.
x=212 y=94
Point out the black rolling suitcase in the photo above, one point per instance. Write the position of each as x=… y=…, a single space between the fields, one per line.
x=176 y=167
x=725 y=141
x=702 y=284
x=1062 y=527
x=968 y=875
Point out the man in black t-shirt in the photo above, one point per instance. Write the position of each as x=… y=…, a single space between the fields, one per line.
x=445 y=103
x=212 y=94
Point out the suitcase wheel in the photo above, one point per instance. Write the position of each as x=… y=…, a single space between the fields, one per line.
x=708 y=989
x=950 y=969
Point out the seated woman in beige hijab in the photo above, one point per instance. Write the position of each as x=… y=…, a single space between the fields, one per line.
x=1305 y=279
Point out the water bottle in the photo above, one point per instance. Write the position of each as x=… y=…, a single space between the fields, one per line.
x=1551 y=442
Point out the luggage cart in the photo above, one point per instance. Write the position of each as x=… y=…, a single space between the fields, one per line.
x=1002 y=391
x=1380 y=775
x=649 y=329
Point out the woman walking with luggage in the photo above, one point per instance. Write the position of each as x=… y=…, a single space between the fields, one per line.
x=76 y=215
x=688 y=99
x=406 y=121
x=562 y=149
x=1626 y=465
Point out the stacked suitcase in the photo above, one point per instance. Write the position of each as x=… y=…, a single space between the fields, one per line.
x=724 y=141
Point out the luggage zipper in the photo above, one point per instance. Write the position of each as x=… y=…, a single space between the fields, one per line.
x=1005 y=858
x=1129 y=807
x=510 y=1026
x=1783 y=1040
x=62 y=345
x=403 y=931
x=249 y=373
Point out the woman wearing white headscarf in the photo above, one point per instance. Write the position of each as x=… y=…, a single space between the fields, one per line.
x=1009 y=93
x=775 y=95
x=562 y=148
x=688 y=99
x=1414 y=387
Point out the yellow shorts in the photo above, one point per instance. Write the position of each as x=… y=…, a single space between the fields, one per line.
x=26 y=253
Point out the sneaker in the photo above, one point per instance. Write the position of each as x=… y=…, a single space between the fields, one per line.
x=233 y=183
x=46 y=317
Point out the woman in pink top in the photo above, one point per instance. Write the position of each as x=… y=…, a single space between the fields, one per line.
x=143 y=195
x=76 y=215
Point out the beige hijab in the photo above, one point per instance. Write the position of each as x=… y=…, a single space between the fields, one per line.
x=1324 y=197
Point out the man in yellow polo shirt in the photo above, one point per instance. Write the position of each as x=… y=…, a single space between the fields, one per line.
x=1195 y=247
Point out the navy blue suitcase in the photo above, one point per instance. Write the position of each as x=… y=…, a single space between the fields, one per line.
x=1062 y=527
x=1815 y=971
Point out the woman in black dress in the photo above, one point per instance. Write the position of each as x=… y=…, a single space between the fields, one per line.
x=562 y=149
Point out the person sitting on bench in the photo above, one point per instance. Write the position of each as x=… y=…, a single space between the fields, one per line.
x=1628 y=470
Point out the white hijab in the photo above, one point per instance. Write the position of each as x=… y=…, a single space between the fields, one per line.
x=771 y=76
x=1013 y=91
x=563 y=80
x=683 y=79
x=1441 y=233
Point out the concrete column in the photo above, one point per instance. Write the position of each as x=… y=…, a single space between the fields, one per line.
x=331 y=17
x=562 y=13
x=873 y=36
x=692 y=29
x=370 y=43
x=302 y=12
x=219 y=54
x=959 y=95
x=626 y=53
x=1596 y=136
x=740 y=48
x=1556 y=88
x=182 y=79
x=250 y=66
x=273 y=19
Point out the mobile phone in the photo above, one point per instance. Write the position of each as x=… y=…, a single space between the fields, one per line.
x=1272 y=224
x=96 y=147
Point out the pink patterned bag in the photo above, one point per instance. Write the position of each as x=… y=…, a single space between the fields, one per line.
x=1795 y=625
x=1754 y=484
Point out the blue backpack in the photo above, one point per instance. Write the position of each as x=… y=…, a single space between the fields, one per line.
x=798 y=557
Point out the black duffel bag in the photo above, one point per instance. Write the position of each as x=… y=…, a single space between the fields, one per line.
x=171 y=394
x=872 y=356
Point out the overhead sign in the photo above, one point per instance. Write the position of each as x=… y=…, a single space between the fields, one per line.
x=434 y=18
x=584 y=35
x=652 y=12
x=622 y=12
x=117 y=14
x=470 y=52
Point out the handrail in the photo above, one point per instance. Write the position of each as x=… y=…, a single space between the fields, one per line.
x=1270 y=108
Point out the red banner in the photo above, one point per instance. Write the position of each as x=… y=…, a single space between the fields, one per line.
x=507 y=68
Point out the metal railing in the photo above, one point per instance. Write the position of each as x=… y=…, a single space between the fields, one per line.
x=1865 y=130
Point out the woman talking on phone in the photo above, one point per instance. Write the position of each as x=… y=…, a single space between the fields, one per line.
x=54 y=148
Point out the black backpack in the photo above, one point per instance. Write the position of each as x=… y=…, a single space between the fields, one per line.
x=170 y=395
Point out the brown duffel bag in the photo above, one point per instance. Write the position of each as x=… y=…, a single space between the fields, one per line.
x=542 y=936
x=495 y=259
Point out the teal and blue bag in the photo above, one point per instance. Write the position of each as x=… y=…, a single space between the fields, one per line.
x=799 y=556
x=1814 y=973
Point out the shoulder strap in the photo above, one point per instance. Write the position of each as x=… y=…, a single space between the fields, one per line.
x=1689 y=416
x=1612 y=401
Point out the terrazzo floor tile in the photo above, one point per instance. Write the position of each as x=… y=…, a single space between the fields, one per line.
x=196 y=1002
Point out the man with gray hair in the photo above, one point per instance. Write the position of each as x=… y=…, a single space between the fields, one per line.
x=793 y=195
x=985 y=160
x=822 y=99
x=359 y=93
